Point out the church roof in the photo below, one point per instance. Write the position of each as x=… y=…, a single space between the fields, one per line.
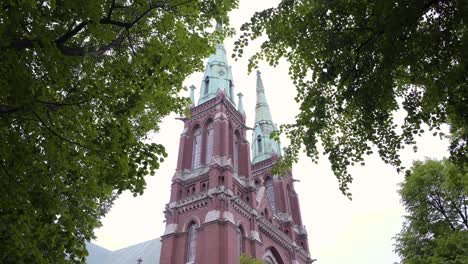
x=262 y=110
x=148 y=251
x=262 y=146
x=218 y=75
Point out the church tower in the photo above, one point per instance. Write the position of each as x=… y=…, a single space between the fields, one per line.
x=222 y=203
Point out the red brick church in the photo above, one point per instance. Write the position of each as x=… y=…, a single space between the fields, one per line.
x=224 y=200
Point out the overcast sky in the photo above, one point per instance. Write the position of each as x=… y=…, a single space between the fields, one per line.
x=340 y=231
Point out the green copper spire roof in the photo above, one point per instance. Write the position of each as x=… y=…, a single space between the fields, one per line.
x=262 y=146
x=262 y=111
x=240 y=105
x=218 y=76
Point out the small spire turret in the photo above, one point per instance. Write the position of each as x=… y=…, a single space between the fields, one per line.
x=240 y=105
x=192 y=94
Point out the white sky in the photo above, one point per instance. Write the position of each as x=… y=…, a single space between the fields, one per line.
x=340 y=231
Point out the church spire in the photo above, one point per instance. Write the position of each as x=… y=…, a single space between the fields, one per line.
x=262 y=110
x=262 y=146
x=218 y=75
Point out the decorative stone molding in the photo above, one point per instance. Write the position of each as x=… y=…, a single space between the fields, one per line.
x=283 y=217
x=304 y=253
x=192 y=206
x=243 y=204
x=220 y=116
x=300 y=230
x=202 y=107
x=185 y=175
x=170 y=228
x=171 y=205
x=274 y=233
x=185 y=132
x=191 y=199
x=222 y=161
x=228 y=216
x=212 y=215
x=246 y=182
x=264 y=164
x=242 y=207
x=260 y=194
x=254 y=235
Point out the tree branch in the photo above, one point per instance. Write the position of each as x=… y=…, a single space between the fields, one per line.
x=60 y=41
x=463 y=217
x=56 y=105
x=5 y=109
x=438 y=206
x=55 y=133
x=21 y=44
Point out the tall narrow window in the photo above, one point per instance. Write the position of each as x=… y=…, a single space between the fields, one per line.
x=259 y=144
x=207 y=85
x=241 y=240
x=231 y=89
x=270 y=193
x=192 y=243
x=209 y=143
x=196 y=149
x=236 y=152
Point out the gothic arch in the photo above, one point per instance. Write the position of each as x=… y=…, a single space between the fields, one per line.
x=192 y=220
x=241 y=235
x=236 y=149
x=191 y=242
x=206 y=85
x=196 y=156
x=272 y=256
x=208 y=140
x=196 y=126
x=231 y=141
x=270 y=192
x=207 y=121
x=259 y=144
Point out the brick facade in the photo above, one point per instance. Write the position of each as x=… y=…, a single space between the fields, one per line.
x=236 y=206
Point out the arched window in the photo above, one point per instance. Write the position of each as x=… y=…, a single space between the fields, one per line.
x=192 y=242
x=236 y=151
x=196 y=149
x=209 y=143
x=207 y=85
x=231 y=89
x=241 y=240
x=272 y=256
x=259 y=144
x=270 y=193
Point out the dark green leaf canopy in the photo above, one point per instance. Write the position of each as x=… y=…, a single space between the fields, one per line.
x=435 y=196
x=355 y=63
x=81 y=85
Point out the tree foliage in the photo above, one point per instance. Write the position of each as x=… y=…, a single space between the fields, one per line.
x=82 y=83
x=355 y=63
x=435 y=195
x=246 y=259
